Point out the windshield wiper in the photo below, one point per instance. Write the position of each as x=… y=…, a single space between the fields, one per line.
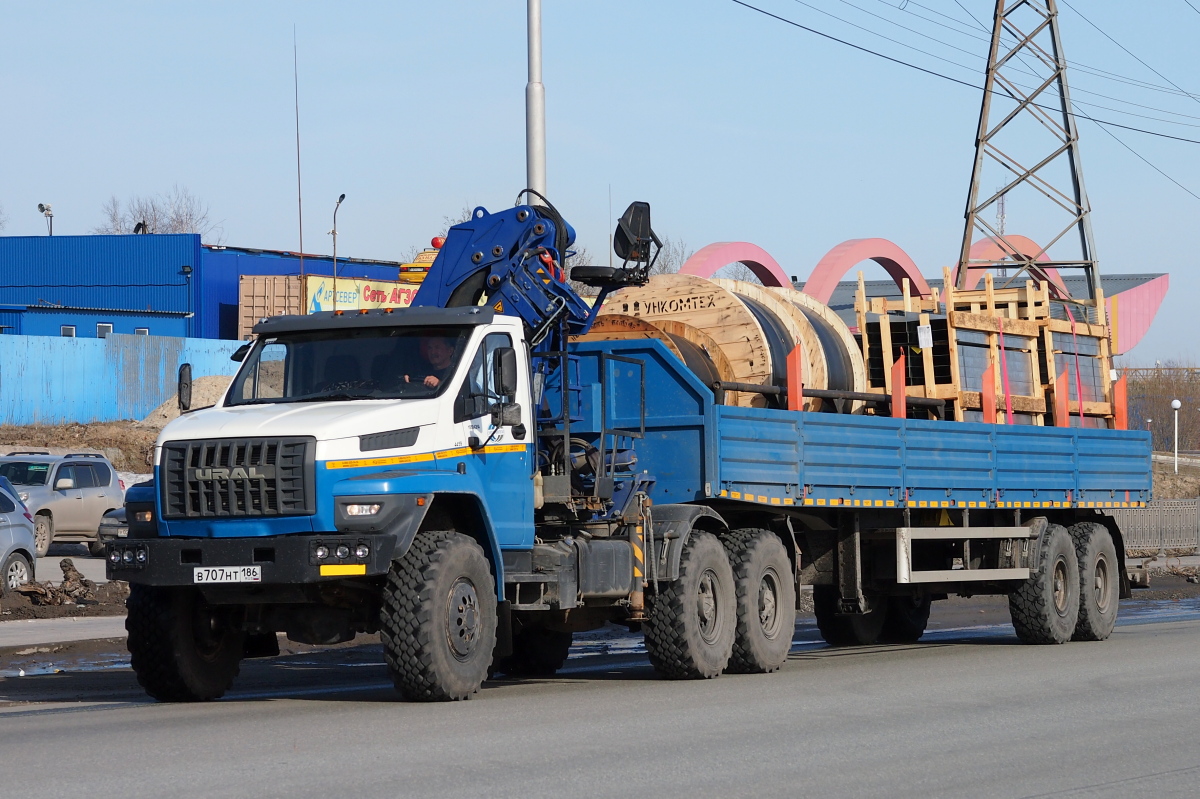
x=332 y=397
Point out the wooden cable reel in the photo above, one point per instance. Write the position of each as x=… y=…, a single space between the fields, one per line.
x=736 y=331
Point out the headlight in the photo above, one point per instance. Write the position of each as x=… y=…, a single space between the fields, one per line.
x=114 y=557
x=142 y=516
x=361 y=551
x=322 y=553
x=343 y=552
x=362 y=510
x=127 y=556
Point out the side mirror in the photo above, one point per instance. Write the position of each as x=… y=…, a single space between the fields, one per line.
x=184 y=392
x=504 y=371
x=64 y=484
x=506 y=415
x=239 y=354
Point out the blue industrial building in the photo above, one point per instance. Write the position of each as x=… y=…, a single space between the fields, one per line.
x=159 y=285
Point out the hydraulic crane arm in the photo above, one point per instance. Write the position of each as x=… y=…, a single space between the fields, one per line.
x=513 y=259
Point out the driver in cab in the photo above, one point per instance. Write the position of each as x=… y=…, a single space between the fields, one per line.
x=438 y=353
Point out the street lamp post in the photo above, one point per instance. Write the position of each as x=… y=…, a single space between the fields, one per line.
x=334 y=234
x=1175 y=405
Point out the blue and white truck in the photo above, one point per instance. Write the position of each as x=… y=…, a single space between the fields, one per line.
x=474 y=484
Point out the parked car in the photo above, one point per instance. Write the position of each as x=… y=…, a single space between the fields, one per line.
x=112 y=527
x=67 y=495
x=16 y=539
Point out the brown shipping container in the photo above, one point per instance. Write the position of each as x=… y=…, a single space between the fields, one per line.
x=267 y=295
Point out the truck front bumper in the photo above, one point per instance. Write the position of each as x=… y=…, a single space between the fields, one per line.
x=280 y=560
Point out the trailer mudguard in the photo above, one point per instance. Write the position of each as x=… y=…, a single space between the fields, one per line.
x=672 y=525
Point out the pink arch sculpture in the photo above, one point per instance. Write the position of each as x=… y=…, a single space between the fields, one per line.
x=841 y=259
x=707 y=260
x=988 y=249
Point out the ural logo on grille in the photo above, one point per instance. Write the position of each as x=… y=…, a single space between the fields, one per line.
x=236 y=473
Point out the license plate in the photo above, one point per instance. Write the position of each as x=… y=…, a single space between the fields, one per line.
x=227 y=574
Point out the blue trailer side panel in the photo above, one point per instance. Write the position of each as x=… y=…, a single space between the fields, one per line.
x=700 y=450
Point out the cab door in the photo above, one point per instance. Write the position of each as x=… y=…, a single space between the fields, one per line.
x=502 y=455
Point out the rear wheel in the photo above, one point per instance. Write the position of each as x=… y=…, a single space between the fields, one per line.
x=537 y=652
x=690 y=632
x=43 y=533
x=907 y=617
x=439 y=618
x=1099 y=582
x=766 y=601
x=181 y=648
x=96 y=549
x=859 y=629
x=1046 y=606
x=17 y=572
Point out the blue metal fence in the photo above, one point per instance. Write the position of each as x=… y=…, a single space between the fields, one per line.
x=52 y=380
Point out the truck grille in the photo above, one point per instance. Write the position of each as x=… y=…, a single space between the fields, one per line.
x=238 y=477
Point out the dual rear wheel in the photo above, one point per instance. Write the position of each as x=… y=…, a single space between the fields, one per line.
x=1074 y=593
x=733 y=608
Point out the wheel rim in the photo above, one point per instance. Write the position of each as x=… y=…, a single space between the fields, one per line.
x=708 y=608
x=210 y=630
x=768 y=604
x=17 y=574
x=462 y=619
x=41 y=535
x=1101 y=584
x=1061 y=598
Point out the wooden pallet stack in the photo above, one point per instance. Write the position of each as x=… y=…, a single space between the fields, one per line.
x=1013 y=355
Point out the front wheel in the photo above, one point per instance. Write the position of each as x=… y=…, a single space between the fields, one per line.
x=690 y=632
x=181 y=648
x=17 y=572
x=438 y=622
x=43 y=534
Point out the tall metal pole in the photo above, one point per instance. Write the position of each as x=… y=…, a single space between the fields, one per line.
x=1175 y=405
x=334 y=234
x=535 y=105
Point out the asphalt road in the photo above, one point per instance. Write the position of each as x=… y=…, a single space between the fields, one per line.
x=968 y=712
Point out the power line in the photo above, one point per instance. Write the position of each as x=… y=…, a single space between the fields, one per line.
x=1127 y=50
x=1189 y=2
x=1141 y=157
x=943 y=76
x=1074 y=65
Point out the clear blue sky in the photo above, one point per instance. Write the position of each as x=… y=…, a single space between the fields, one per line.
x=732 y=125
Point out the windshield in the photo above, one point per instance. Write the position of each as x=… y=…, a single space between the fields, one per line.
x=367 y=363
x=24 y=473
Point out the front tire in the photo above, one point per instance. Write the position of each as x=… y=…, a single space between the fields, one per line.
x=439 y=618
x=690 y=632
x=859 y=629
x=1099 y=582
x=1045 y=608
x=17 y=572
x=181 y=648
x=766 y=601
x=43 y=534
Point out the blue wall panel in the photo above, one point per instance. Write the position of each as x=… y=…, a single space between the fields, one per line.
x=52 y=380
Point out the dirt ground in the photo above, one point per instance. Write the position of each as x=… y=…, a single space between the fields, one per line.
x=1168 y=485
x=110 y=601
